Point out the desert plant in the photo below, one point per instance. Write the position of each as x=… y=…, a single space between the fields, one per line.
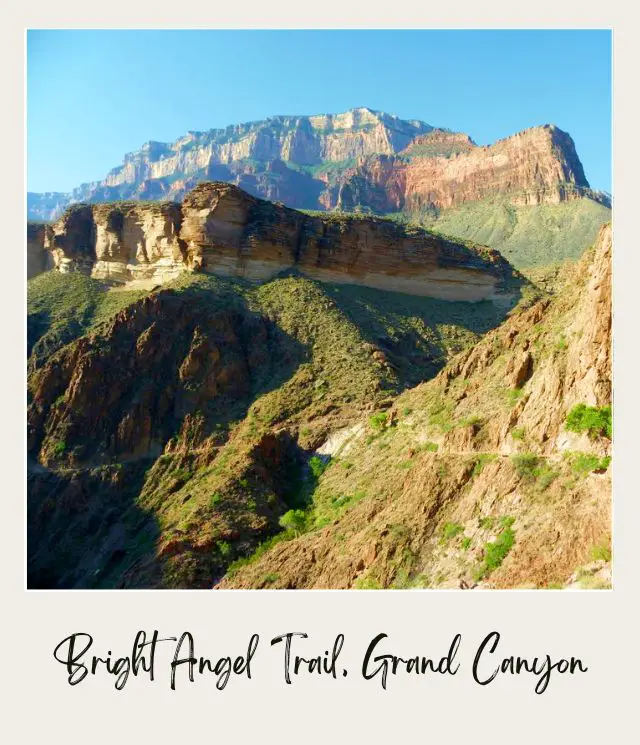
x=592 y=419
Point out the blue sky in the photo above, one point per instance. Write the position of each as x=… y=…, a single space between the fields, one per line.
x=92 y=96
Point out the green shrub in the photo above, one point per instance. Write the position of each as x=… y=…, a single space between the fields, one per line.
x=451 y=530
x=525 y=464
x=215 y=499
x=295 y=521
x=471 y=421
x=224 y=548
x=430 y=447
x=465 y=543
x=533 y=468
x=584 y=463
x=378 y=421
x=601 y=553
x=317 y=466
x=514 y=395
x=481 y=461
x=486 y=523
x=59 y=448
x=495 y=553
x=518 y=433
x=592 y=419
x=367 y=583
x=270 y=578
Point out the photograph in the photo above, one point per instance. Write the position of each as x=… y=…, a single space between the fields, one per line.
x=319 y=309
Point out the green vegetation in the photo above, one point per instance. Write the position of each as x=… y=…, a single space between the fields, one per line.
x=518 y=433
x=62 y=307
x=481 y=461
x=592 y=419
x=451 y=530
x=527 y=236
x=585 y=463
x=534 y=468
x=295 y=521
x=317 y=466
x=59 y=448
x=496 y=552
x=378 y=421
x=601 y=552
x=429 y=447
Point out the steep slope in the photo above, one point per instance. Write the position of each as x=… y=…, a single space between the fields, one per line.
x=527 y=237
x=500 y=466
x=170 y=431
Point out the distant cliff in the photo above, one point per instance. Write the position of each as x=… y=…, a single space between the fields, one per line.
x=443 y=170
x=220 y=229
x=358 y=159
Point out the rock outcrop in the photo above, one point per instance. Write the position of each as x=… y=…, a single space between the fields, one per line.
x=38 y=260
x=442 y=170
x=221 y=230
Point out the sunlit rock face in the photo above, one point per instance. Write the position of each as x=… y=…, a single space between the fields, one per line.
x=220 y=229
x=360 y=158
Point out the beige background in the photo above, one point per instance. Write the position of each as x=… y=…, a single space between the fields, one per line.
x=599 y=627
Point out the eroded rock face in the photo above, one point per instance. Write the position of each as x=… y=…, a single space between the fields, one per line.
x=360 y=157
x=442 y=170
x=222 y=230
x=121 y=242
x=123 y=393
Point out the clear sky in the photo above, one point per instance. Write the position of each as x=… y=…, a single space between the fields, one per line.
x=92 y=96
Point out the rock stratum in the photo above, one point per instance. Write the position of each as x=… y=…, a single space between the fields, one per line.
x=219 y=229
x=360 y=158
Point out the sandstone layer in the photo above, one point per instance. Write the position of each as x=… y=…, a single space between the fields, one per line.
x=221 y=230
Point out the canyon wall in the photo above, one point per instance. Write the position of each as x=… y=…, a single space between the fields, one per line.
x=360 y=158
x=222 y=230
x=537 y=166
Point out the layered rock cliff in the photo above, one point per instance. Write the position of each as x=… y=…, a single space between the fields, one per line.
x=442 y=170
x=359 y=158
x=236 y=153
x=221 y=230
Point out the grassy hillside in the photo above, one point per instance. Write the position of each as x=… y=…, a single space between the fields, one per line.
x=526 y=236
x=307 y=359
